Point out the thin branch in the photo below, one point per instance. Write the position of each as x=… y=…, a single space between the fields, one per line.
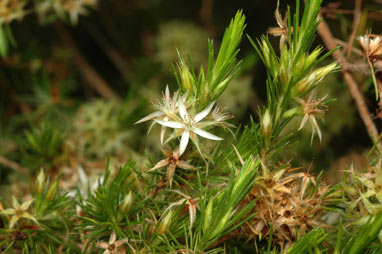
x=356 y=19
x=329 y=41
x=12 y=165
x=91 y=76
x=344 y=44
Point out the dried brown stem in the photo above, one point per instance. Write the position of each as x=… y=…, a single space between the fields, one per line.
x=329 y=41
x=91 y=76
x=356 y=19
x=344 y=44
x=12 y=165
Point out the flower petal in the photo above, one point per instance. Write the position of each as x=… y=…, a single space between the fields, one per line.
x=171 y=124
x=199 y=116
x=13 y=221
x=184 y=142
x=185 y=165
x=15 y=203
x=113 y=237
x=151 y=116
x=160 y=164
x=26 y=204
x=167 y=94
x=206 y=134
x=30 y=217
x=183 y=110
x=9 y=211
x=162 y=132
x=103 y=245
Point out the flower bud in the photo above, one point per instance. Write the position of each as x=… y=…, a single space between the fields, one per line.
x=185 y=76
x=312 y=57
x=165 y=223
x=291 y=112
x=52 y=191
x=306 y=83
x=315 y=77
x=40 y=182
x=266 y=123
x=126 y=203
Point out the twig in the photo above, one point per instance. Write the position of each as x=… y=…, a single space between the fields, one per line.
x=356 y=19
x=12 y=165
x=91 y=76
x=329 y=41
x=344 y=44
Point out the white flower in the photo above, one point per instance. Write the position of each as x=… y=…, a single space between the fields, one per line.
x=190 y=126
x=167 y=108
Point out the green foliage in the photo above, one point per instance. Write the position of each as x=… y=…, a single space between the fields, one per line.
x=209 y=191
x=42 y=147
x=210 y=84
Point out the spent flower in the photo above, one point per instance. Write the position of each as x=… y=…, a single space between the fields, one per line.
x=371 y=46
x=310 y=109
x=113 y=246
x=282 y=30
x=172 y=161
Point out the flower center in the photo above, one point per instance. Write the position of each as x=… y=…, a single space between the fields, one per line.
x=111 y=247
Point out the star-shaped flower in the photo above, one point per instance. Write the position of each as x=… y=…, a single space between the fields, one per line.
x=189 y=126
x=311 y=108
x=113 y=246
x=167 y=108
x=172 y=161
x=282 y=30
x=19 y=211
x=191 y=203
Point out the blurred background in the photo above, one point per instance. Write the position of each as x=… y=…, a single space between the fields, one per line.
x=77 y=78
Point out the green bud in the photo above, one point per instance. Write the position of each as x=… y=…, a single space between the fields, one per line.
x=323 y=71
x=315 y=77
x=299 y=66
x=126 y=203
x=52 y=191
x=291 y=112
x=185 y=76
x=266 y=123
x=313 y=57
x=40 y=182
x=165 y=223
x=266 y=53
x=306 y=83
x=284 y=66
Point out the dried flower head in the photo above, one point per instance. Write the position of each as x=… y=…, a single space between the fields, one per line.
x=190 y=203
x=113 y=246
x=172 y=161
x=293 y=203
x=372 y=46
x=282 y=30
